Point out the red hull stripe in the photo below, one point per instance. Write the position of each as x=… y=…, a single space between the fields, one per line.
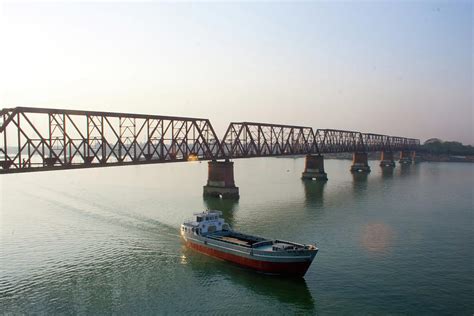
x=290 y=268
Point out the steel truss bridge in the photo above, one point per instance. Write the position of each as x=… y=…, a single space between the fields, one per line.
x=35 y=139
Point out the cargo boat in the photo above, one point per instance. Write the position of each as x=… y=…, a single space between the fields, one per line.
x=208 y=233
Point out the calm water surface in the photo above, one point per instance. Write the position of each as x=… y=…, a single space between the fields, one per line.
x=106 y=240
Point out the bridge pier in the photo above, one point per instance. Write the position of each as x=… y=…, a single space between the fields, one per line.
x=360 y=162
x=220 y=180
x=405 y=157
x=314 y=168
x=386 y=159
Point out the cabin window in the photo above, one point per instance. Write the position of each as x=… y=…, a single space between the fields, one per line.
x=199 y=219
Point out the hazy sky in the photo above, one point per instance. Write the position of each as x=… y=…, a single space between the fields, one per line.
x=397 y=68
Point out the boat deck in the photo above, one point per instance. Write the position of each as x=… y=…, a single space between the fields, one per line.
x=236 y=241
x=236 y=238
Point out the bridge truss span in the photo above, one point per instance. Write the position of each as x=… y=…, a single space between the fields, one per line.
x=41 y=139
x=377 y=142
x=403 y=144
x=338 y=141
x=35 y=139
x=245 y=139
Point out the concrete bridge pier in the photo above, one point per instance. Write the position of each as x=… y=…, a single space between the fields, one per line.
x=220 y=180
x=314 y=168
x=360 y=162
x=386 y=159
x=405 y=157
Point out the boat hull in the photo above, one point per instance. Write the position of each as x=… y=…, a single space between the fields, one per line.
x=296 y=268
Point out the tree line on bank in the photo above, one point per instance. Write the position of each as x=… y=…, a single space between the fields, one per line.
x=436 y=146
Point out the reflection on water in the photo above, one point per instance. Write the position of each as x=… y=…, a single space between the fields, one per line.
x=359 y=182
x=314 y=192
x=226 y=206
x=405 y=170
x=288 y=290
x=376 y=237
x=387 y=172
x=360 y=177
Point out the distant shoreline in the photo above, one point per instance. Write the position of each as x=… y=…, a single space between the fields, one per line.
x=419 y=157
x=446 y=158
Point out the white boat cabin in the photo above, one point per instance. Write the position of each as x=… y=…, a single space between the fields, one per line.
x=205 y=223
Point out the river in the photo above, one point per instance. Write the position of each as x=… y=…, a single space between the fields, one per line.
x=106 y=240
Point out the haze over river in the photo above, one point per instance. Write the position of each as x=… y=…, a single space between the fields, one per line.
x=106 y=240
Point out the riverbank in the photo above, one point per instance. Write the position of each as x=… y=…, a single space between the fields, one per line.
x=446 y=158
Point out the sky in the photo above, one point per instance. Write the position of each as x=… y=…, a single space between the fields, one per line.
x=402 y=68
